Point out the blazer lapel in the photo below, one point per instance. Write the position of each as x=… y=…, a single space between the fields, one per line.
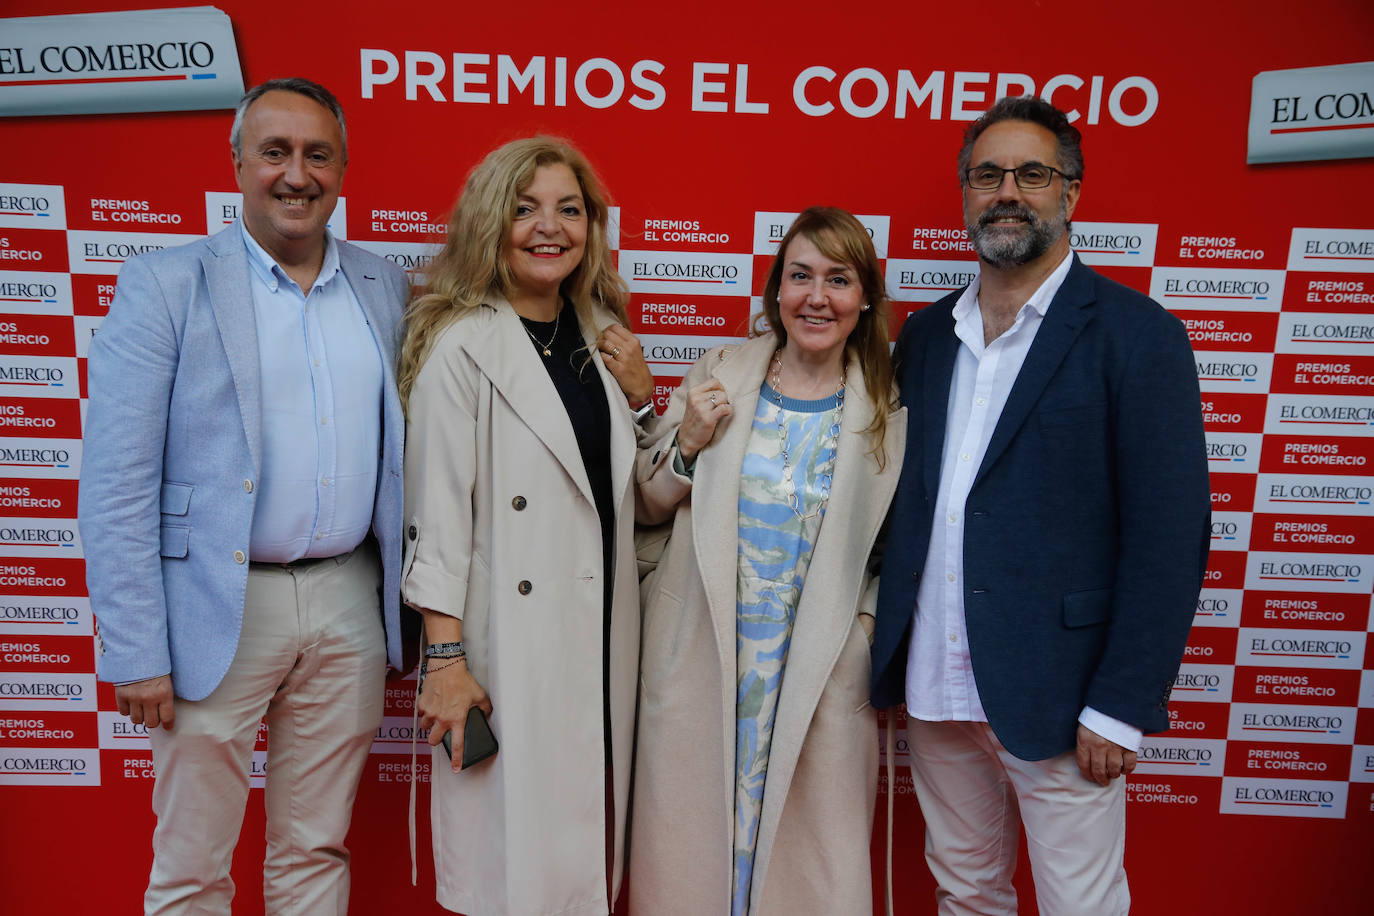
x=372 y=299
x=859 y=496
x=1071 y=309
x=231 y=300
x=941 y=350
x=715 y=493
x=506 y=358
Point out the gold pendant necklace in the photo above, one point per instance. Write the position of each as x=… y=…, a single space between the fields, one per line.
x=543 y=347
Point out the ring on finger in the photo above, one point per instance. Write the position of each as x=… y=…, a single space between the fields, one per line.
x=712 y=396
x=615 y=351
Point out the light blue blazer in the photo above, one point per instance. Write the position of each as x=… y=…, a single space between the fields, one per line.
x=173 y=450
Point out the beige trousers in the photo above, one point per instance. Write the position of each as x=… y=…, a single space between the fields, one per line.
x=975 y=797
x=311 y=659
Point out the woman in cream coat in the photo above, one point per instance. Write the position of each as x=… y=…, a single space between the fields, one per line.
x=812 y=833
x=519 y=531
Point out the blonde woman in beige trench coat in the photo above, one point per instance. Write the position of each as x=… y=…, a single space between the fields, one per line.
x=504 y=548
x=814 y=832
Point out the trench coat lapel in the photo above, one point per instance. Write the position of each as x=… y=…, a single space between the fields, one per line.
x=505 y=357
x=623 y=443
x=715 y=503
x=859 y=496
x=1069 y=312
x=231 y=300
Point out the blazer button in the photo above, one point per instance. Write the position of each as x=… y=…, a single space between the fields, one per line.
x=412 y=533
x=248 y=486
x=518 y=503
x=524 y=587
x=239 y=556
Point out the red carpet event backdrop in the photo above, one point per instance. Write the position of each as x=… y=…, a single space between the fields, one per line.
x=1228 y=175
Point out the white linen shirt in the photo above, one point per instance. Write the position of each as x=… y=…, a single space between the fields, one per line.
x=939 y=681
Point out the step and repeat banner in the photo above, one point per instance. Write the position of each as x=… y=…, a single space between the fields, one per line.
x=1229 y=176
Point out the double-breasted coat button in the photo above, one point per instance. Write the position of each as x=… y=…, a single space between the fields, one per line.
x=240 y=556
x=519 y=503
x=524 y=587
x=412 y=532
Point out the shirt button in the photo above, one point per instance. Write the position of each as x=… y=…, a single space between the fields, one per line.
x=954 y=516
x=981 y=401
x=413 y=532
x=965 y=457
x=954 y=637
x=248 y=486
x=518 y=503
x=318 y=536
x=524 y=587
x=324 y=481
x=240 y=556
x=324 y=421
x=949 y=576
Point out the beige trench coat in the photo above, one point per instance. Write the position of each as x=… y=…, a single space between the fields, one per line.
x=818 y=801
x=502 y=531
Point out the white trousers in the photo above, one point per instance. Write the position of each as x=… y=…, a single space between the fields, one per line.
x=312 y=659
x=975 y=797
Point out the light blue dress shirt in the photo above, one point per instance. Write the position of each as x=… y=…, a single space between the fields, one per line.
x=321 y=377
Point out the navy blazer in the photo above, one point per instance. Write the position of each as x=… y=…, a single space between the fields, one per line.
x=1087 y=526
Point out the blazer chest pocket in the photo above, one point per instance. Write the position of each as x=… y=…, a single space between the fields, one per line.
x=1079 y=415
x=174 y=540
x=1083 y=609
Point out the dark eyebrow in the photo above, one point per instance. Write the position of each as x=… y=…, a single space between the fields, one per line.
x=841 y=269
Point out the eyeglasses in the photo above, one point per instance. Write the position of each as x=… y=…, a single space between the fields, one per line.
x=1029 y=177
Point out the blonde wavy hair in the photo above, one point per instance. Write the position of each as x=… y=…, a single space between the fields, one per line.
x=471 y=265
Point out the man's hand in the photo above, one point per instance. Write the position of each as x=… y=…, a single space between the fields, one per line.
x=1100 y=760
x=147 y=703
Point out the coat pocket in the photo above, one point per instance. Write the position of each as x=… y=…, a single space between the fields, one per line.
x=175 y=498
x=174 y=540
x=1085 y=608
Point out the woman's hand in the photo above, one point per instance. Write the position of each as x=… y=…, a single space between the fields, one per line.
x=624 y=359
x=449 y=691
x=706 y=406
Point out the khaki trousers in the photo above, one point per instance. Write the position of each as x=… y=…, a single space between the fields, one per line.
x=311 y=659
x=975 y=796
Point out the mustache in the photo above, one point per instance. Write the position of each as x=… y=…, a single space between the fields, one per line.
x=1008 y=210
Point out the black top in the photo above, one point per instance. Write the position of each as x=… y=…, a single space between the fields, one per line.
x=579 y=386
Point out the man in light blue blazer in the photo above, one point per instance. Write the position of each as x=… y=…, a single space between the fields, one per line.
x=240 y=507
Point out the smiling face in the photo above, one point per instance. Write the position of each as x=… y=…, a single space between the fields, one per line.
x=290 y=170
x=1009 y=226
x=818 y=300
x=548 y=234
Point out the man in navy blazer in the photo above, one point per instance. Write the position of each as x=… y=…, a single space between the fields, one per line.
x=1048 y=538
x=240 y=508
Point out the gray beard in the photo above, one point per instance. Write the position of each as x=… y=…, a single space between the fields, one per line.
x=1001 y=249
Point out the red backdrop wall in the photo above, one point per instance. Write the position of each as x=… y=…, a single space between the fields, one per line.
x=710 y=123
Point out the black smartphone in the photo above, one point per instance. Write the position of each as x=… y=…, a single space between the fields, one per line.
x=479 y=742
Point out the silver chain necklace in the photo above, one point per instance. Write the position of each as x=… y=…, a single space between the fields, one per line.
x=543 y=347
x=832 y=442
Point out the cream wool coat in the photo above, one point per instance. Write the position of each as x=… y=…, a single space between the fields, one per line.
x=818 y=801
x=502 y=531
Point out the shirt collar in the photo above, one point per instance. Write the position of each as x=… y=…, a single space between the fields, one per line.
x=966 y=308
x=269 y=271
